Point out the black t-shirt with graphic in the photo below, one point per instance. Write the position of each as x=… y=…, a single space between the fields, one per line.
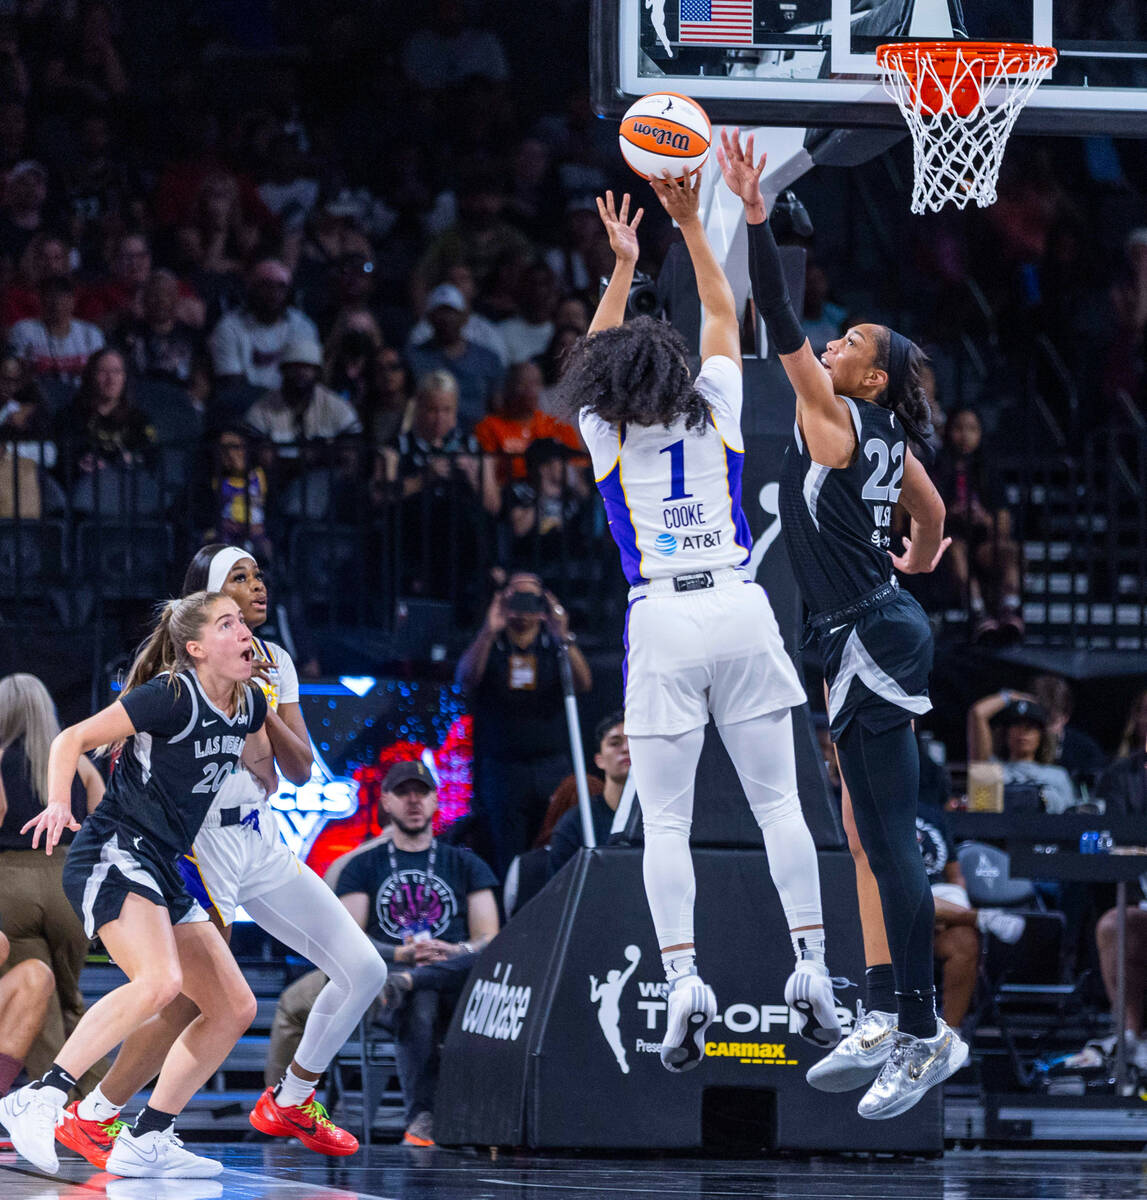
x=403 y=903
x=934 y=839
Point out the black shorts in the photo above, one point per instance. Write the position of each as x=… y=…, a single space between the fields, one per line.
x=877 y=667
x=107 y=861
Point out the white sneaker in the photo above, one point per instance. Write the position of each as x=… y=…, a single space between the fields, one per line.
x=858 y=1059
x=158 y=1154
x=692 y=1007
x=164 y=1189
x=30 y=1115
x=915 y=1065
x=809 y=994
x=1008 y=927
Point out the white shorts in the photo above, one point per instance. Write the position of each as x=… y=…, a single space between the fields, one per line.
x=232 y=864
x=716 y=650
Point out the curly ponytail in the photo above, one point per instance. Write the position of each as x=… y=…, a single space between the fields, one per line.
x=905 y=363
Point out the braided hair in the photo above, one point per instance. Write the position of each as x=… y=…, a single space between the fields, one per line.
x=633 y=373
x=904 y=363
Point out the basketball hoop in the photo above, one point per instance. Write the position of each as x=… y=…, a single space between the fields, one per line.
x=960 y=100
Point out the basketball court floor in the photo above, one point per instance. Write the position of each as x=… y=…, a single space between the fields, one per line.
x=262 y=1171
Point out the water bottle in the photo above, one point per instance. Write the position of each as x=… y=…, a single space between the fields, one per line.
x=1105 y=843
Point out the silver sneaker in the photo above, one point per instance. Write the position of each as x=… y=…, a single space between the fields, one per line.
x=158 y=1154
x=30 y=1116
x=914 y=1066
x=809 y=994
x=857 y=1060
x=692 y=1007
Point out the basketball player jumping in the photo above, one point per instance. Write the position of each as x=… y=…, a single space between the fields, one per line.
x=860 y=409
x=700 y=635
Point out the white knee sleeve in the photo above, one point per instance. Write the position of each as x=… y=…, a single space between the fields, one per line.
x=665 y=768
x=307 y=916
x=762 y=752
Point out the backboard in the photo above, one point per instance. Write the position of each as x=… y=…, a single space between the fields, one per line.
x=812 y=63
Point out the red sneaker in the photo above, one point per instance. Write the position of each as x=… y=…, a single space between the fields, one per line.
x=308 y=1122
x=92 y=1140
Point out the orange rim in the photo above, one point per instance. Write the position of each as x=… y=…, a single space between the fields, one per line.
x=1018 y=57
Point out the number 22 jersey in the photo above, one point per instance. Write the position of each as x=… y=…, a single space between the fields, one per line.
x=837 y=522
x=673 y=496
x=182 y=752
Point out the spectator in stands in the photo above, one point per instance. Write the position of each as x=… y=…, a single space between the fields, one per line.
x=553 y=365
x=39 y=921
x=22 y=207
x=56 y=345
x=239 y=496
x=26 y=992
x=521 y=744
x=102 y=427
x=983 y=558
x=24 y=416
x=157 y=344
x=549 y=510
x=1123 y=786
x=302 y=409
x=423 y=903
x=1127 y=356
x=46 y=257
x=612 y=759
x=446 y=51
x=1026 y=747
x=120 y=298
x=87 y=72
x=572 y=261
x=386 y=406
x=821 y=318
x=350 y=350
x=1134 y=733
x=519 y=421
x=248 y=345
x=477 y=370
x=1077 y=752
x=478 y=329
x=530 y=330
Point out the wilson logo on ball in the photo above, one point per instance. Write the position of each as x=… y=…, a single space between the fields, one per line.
x=665 y=132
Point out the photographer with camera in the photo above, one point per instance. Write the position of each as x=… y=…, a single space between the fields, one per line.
x=521 y=742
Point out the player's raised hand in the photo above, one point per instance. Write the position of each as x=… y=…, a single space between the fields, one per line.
x=905 y=564
x=681 y=198
x=622 y=231
x=742 y=177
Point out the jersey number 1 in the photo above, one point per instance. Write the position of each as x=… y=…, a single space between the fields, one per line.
x=677 y=490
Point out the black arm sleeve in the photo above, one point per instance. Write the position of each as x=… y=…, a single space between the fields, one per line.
x=771 y=293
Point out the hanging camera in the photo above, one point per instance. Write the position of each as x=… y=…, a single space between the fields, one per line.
x=642 y=301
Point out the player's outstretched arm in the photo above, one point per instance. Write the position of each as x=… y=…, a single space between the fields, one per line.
x=817 y=405
x=720 y=334
x=109 y=725
x=623 y=242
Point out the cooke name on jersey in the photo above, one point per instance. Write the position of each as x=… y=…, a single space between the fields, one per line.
x=684 y=516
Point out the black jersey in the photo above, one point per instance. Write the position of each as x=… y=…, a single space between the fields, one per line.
x=837 y=521
x=182 y=751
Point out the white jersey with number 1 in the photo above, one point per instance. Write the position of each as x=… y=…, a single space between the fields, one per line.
x=673 y=496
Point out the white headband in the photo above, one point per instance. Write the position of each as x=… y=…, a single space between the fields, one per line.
x=221 y=565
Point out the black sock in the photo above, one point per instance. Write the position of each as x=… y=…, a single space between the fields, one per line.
x=151 y=1120
x=916 y=1013
x=56 y=1077
x=880 y=989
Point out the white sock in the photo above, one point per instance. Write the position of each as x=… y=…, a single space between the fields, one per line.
x=95 y=1106
x=293 y=1090
x=678 y=964
x=808 y=945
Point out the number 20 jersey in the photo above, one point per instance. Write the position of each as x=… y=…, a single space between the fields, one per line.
x=837 y=522
x=182 y=752
x=673 y=496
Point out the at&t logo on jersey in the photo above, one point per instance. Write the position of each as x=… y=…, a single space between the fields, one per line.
x=666 y=543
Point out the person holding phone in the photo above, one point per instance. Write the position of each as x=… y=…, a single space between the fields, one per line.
x=521 y=745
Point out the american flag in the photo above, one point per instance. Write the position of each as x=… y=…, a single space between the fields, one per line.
x=716 y=22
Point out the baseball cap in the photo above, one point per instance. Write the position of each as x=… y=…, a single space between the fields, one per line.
x=544 y=450
x=304 y=350
x=1016 y=712
x=446 y=295
x=404 y=772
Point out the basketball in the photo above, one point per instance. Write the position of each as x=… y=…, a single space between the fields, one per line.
x=665 y=132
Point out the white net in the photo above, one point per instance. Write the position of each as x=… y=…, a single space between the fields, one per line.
x=960 y=103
